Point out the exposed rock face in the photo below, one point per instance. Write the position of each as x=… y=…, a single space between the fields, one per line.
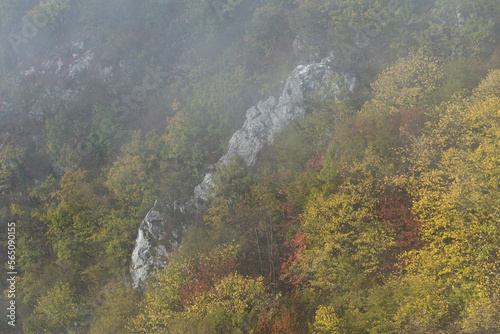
x=146 y=254
x=262 y=121
x=272 y=115
x=157 y=237
x=60 y=81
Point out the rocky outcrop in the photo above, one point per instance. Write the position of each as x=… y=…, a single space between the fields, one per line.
x=158 y=237
x=262 y=121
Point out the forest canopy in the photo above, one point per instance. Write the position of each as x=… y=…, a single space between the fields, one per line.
x=374 y=213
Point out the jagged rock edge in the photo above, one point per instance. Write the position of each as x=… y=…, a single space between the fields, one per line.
x=262 y=121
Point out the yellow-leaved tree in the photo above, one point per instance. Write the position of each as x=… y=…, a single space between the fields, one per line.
x=454 y=179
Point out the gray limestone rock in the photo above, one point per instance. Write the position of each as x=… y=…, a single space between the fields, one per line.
x=262 y=121
x=158 y=236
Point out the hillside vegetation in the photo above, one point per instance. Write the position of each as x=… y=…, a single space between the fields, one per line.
x=375 y=213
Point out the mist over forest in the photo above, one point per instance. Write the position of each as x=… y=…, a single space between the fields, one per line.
x=240 y=166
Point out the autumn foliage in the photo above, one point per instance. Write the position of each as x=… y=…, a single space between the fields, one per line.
x=292 y=258
x=376 y=212
x=395 y=212
x=207 y=270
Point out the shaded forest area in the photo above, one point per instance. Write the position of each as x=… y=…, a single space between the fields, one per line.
x=376 y=214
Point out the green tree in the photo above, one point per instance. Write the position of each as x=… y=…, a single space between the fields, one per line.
x=52 y=9
x=11 y=159
x=106 y=132
x=345 y=239
x=162 y=302
x=66 y=142
x=145 y=171
x=326 y=321
x=118 y=305
x=56 y=311
x=454 y=28
x=75 y=218
x=408 y=83
x=231 y=306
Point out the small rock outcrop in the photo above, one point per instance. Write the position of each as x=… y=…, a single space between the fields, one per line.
x=158 y=237
x=262 y=121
